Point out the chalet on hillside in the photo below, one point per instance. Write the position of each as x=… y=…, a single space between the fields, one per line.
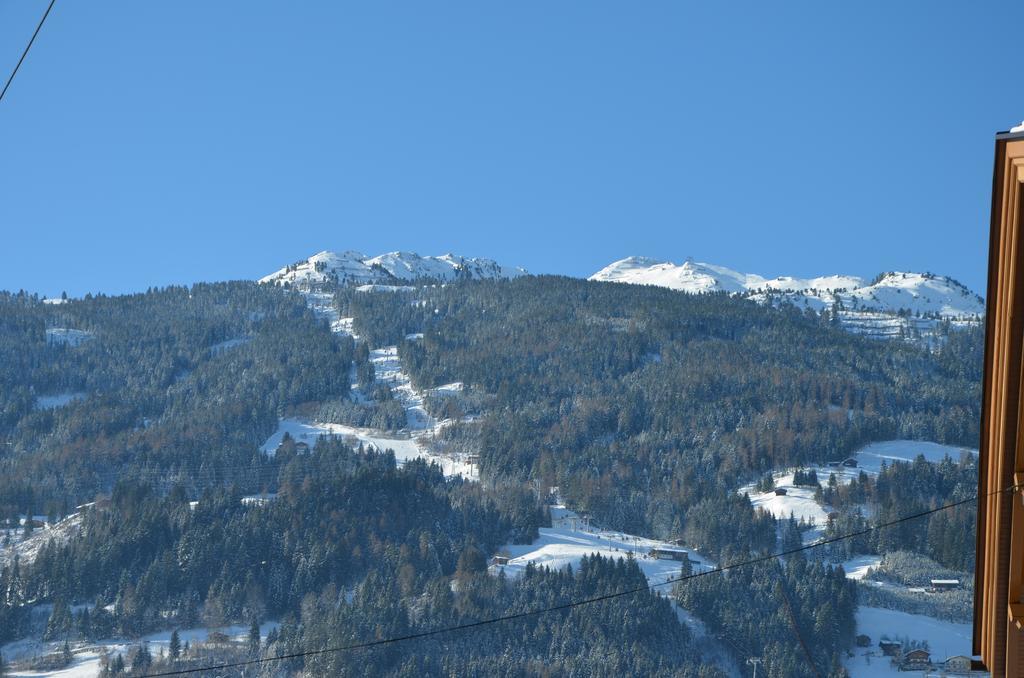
x=915 y=660
x=669 y=554
x=781 y=492
x=500 y=560
x=945 y=584
x=301 y=448
x=850 y=462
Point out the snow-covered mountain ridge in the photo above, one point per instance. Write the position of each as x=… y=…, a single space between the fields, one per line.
x=355 y=268
x=892 y=293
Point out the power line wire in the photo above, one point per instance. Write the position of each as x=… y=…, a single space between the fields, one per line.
x=27 y=48
x=585 y=601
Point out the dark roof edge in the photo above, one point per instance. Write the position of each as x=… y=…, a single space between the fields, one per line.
x=1008 y=135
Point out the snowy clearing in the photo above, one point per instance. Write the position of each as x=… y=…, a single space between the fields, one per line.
x=945 y=639
x=86 y=662
x=50 y=402
x=27 y=549
x=67 y=336
x=411 y=447
x=569 y=539
x=799 y=501
x=871 y=457
x=858 y=567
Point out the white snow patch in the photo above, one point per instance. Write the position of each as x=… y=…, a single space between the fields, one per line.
x=448 y=389
x=67 y=336
x=50 y=402
x=385 y=288
x=858 y=567
x=259 y=499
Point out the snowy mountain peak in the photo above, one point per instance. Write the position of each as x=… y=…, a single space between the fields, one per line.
x=890 y=293
x=691 y=276
x=355 y=268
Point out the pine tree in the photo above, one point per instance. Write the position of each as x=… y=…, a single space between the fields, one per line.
x=142 y=659
x=175 y=645
x=254 y=638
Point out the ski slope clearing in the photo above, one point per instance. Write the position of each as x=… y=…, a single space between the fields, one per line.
x=405 y=448
x=945 y=639
x=570 y=538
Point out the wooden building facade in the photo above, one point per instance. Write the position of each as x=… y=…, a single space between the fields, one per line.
x=999 y=575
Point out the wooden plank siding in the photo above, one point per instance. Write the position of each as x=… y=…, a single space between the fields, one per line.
x=999 y=574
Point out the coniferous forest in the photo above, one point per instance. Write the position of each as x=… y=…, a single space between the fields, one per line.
x=643 y=408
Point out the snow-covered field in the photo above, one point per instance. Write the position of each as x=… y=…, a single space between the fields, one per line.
x=799 y=501
x=870 y=458
x=405 y=448
x=569 y=539
x=86 y=663
x=859 y=566
x=945 y=639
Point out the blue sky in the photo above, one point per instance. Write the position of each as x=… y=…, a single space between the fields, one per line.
x=157 y=142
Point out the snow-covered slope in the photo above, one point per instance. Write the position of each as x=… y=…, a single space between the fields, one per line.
x=890 y=292
x=918 y=293
x=690 y=277
x=355 y=268
x=894 y=305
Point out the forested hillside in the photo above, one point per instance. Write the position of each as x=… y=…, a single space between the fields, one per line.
x=644 y=404
x=641 y=408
